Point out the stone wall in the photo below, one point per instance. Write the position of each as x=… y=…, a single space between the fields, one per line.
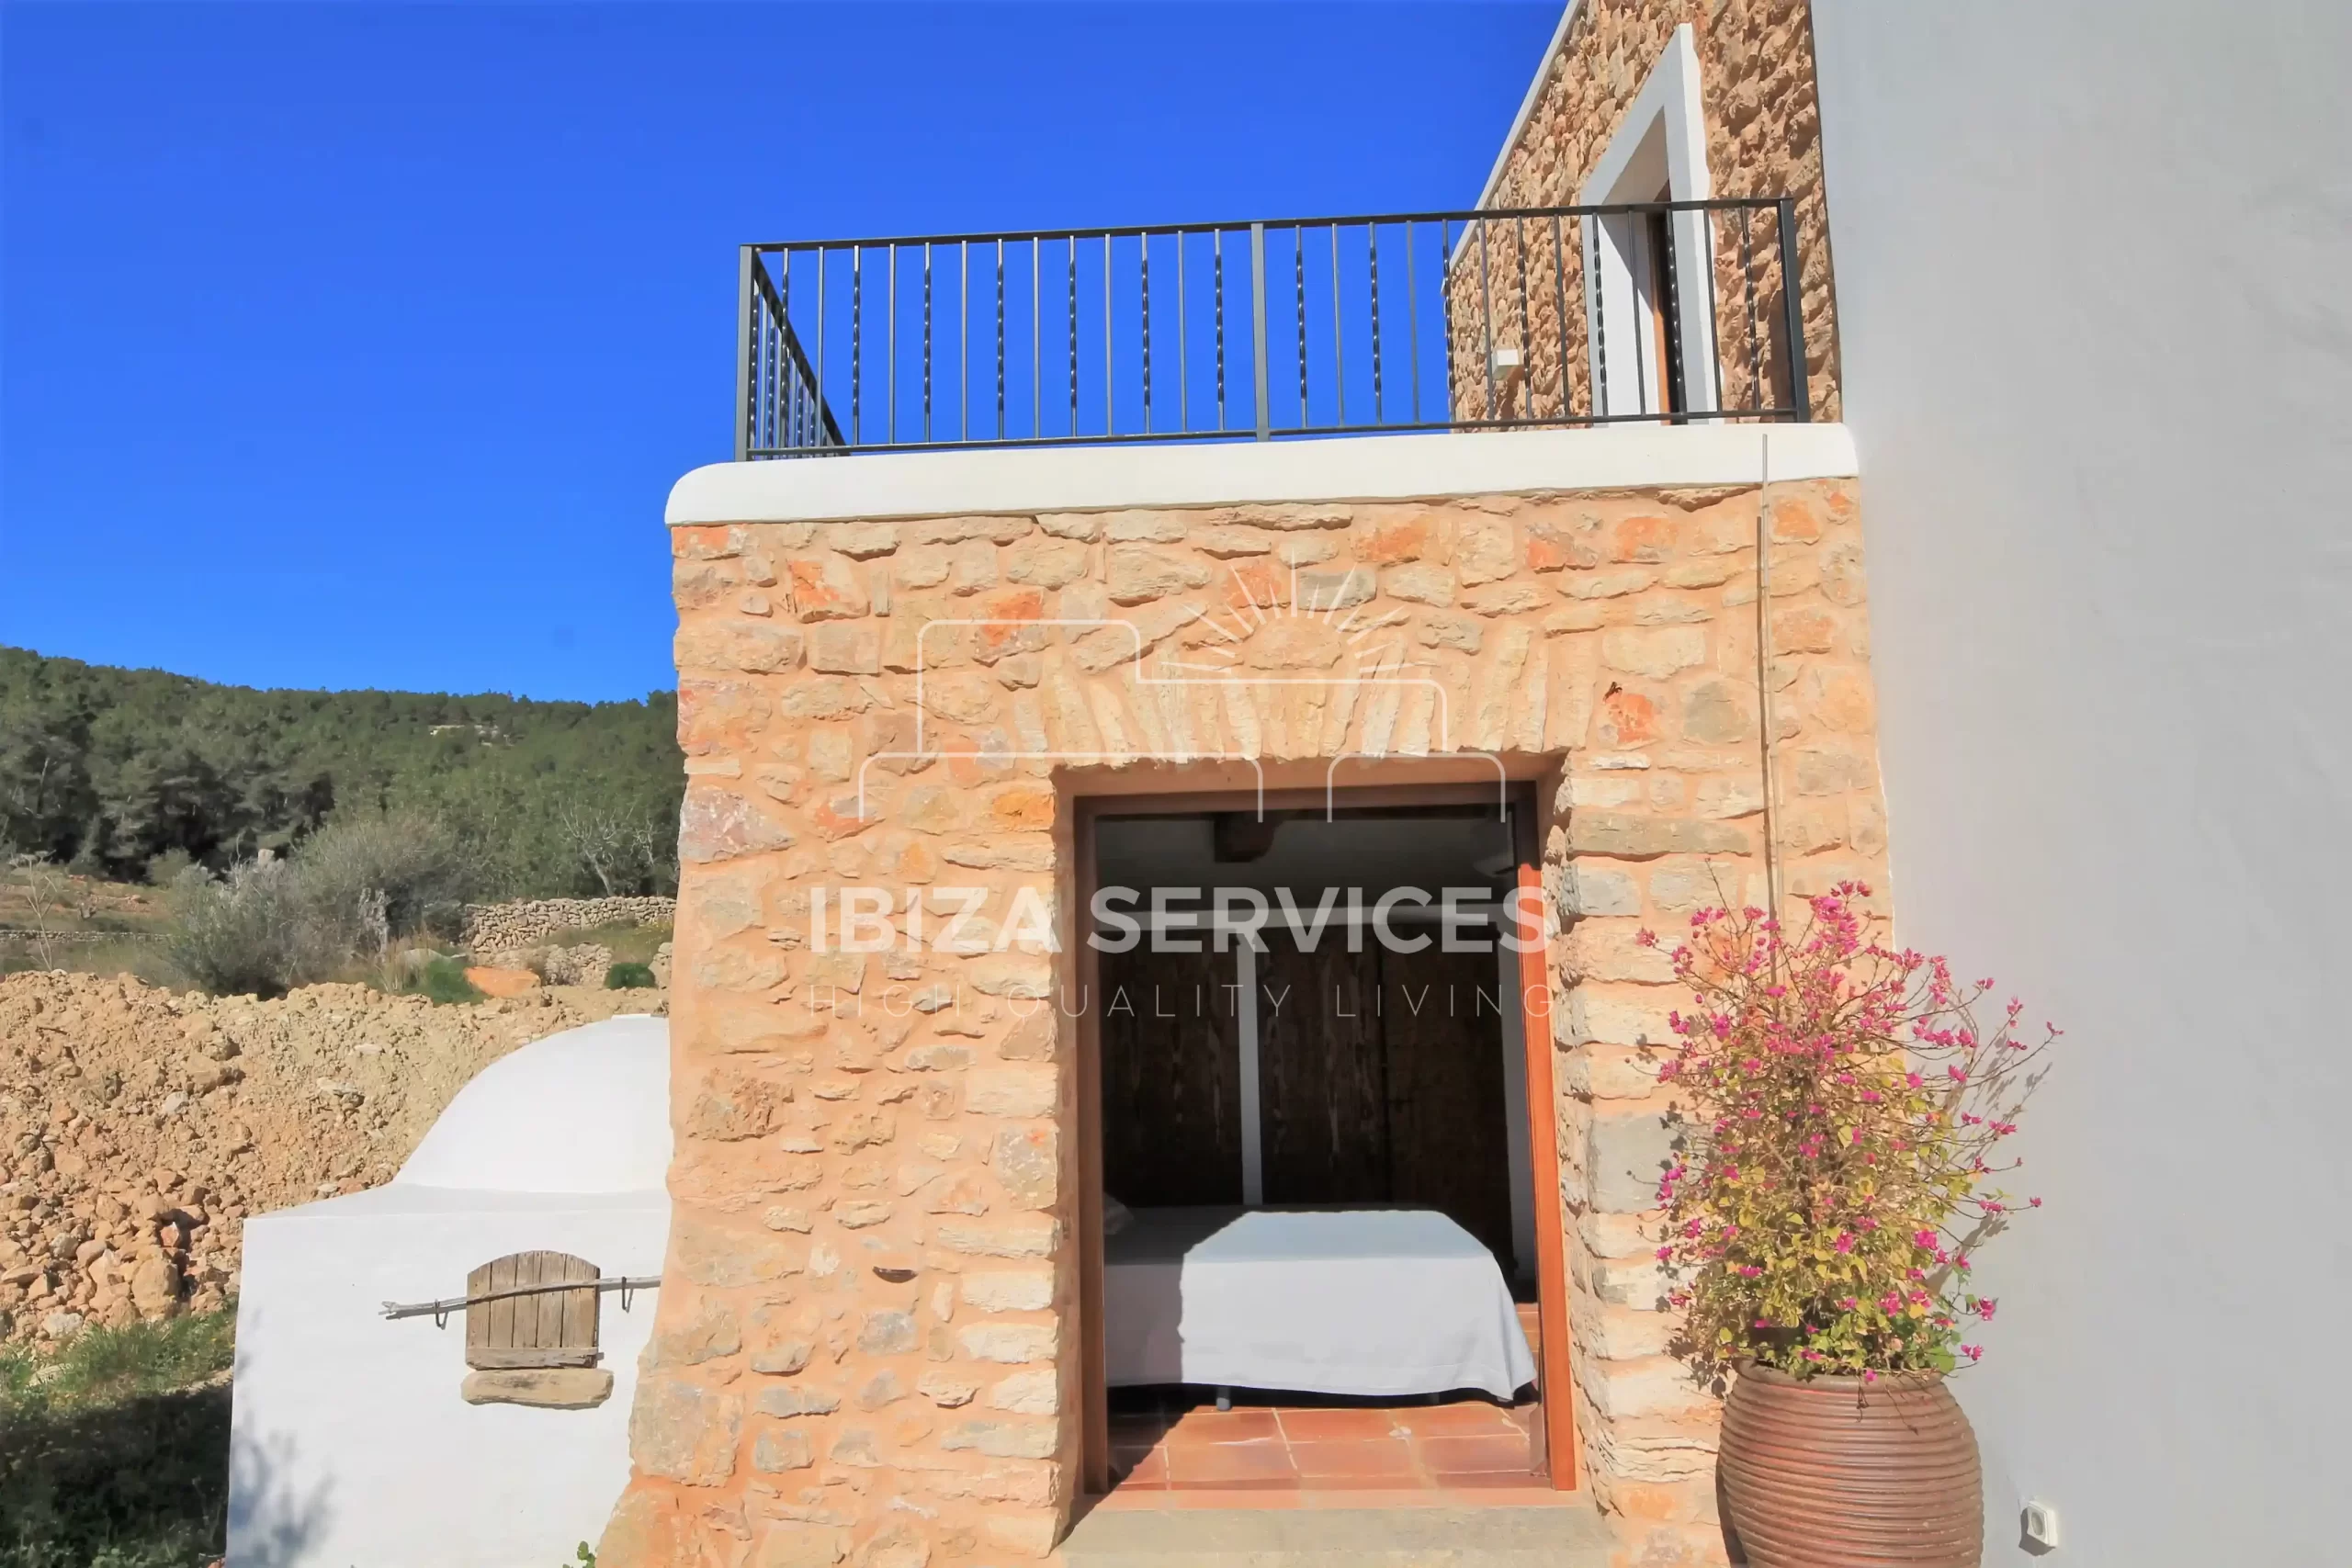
x=501 y=928
x=1763 y=140
x=867 y=1341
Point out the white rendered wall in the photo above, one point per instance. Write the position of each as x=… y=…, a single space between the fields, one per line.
x=2094 y=272
x=349 y=1444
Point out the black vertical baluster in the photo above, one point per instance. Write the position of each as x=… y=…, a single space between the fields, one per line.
x=890 y=353
x=1183 y=373
x=1110 y=379
x=856 y=344
x=1143 y=244
x=1487 y=317
x=1073 y=334
x=1371 y=249
x=1596 y=286
x=1747 y=277
x=1560 y=309
x=1412 y=320
x=1338 y=357
x=1037 y=337
x=1715 y=311
x=1526 y=322
x=1793 y=305
x=1298 y=274
x=926 y=340
x=1000 y=339
x=964 y=343
x=1445 y=308
x=1218 y=258
x=783 y=309
x=1674 y=376
x=820 y=342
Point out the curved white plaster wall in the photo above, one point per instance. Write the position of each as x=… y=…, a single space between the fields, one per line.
x=585 y=1111
x=2092 y=268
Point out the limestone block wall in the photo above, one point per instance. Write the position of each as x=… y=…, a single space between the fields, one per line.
x=866 y=1347
x=1763 y=126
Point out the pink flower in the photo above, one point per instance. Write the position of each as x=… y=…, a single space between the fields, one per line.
x=1984 y=1308
x=1845 y=1241
x=1974 y=1352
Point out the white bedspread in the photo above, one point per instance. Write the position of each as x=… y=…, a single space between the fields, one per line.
x=1325 y=1301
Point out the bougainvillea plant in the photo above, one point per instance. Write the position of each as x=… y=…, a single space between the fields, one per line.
x=1840 y=1156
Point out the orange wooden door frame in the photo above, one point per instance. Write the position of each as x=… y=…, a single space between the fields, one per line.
x=1555 y=1385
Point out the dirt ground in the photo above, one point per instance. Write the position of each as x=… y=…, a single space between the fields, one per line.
x=139 y=1126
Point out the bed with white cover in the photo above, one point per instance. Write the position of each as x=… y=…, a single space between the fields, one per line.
x=1346 y=1301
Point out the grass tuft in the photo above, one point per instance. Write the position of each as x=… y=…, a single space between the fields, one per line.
x=443 y=980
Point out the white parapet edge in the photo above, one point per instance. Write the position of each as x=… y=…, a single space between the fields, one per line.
x=1350 y=469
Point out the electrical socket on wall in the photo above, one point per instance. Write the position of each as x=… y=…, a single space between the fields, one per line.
x=2038 y=1526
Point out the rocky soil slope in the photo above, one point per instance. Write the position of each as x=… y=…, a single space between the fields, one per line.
x=138 y=1126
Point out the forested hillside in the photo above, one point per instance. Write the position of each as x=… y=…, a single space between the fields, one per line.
x=112 y=770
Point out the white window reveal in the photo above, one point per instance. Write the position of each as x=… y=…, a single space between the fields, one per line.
x=1649 y=316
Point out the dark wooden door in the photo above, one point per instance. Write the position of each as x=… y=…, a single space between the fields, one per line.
x=1171 y=1078
x=1441 y=1023
x=1323 y=1093
x=1381 y=1081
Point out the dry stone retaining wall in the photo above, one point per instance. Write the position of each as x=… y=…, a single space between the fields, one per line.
x=867 y=1341
x=501 y=928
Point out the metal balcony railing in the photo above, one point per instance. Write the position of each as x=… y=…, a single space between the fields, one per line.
x=1680 y=313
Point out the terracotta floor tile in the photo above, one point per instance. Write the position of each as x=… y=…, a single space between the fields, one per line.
x=1262 y=1484
x=1448 y=1456
x=1329 y=1426
x=1466 y=1418
x=1139 y=1467
x=1198 y=1426
x=1226 y=1463
x=1388 y=1459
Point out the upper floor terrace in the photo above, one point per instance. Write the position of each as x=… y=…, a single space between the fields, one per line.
x=1680 y=313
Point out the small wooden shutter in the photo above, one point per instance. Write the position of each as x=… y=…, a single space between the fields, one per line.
x=544 y=1328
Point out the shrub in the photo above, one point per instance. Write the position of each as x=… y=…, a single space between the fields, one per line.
x=364 y=877
x=444 y=981
x=268 y=926
x=165 y=869
x=628 y=977
x=1839 y=1174
x=239 y=933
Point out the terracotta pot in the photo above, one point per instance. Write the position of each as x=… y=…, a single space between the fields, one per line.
x=1833 y=1472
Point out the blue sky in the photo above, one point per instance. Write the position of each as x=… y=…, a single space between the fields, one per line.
x=357 y=346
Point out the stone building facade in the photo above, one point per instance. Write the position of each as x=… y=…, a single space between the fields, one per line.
x=1763 y=123
x=868 y=1341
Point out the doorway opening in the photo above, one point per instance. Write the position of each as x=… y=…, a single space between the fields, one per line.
x=1318 y=1266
